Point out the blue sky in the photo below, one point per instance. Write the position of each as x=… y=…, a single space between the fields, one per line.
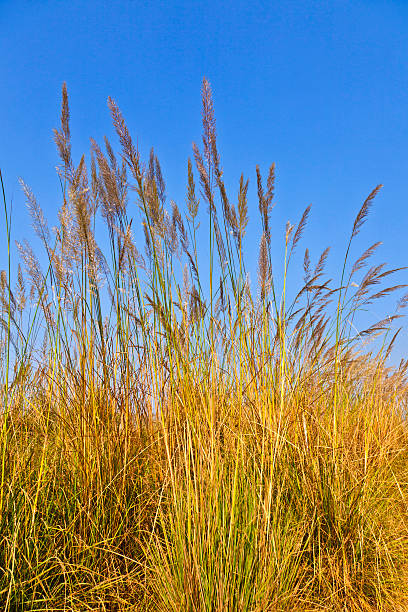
x=319 y=87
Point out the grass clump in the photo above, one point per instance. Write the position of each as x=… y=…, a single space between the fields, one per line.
x=178 y=440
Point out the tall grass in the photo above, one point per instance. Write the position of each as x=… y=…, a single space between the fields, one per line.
x=174 y=440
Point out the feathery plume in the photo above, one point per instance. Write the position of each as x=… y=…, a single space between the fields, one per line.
x=197 y=306
x=111 y=155
x=186 y=286
x=265 y=201
x=112 y=203
x=364 y=210
x=321 y=263
x=362 y=260
x=20 y=289
x=32 y=265
x=264 y=272
x=242 y=208
x=306 y=265
x=131 y=154
x=63 y=136
x=192 y=203
x=38 y=220
x=209 y=129
x=204 y=179
x=300 y=228
x=161 y=186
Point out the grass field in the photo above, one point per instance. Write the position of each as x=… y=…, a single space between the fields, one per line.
x=173 y=439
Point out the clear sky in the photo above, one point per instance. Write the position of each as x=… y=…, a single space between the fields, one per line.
x=318 y=86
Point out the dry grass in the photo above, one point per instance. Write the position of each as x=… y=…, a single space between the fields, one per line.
x=171 y=441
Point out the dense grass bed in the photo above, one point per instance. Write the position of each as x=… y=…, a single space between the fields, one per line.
x=176 y=438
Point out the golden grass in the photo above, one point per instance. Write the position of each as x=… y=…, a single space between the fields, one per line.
x=178 y=441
